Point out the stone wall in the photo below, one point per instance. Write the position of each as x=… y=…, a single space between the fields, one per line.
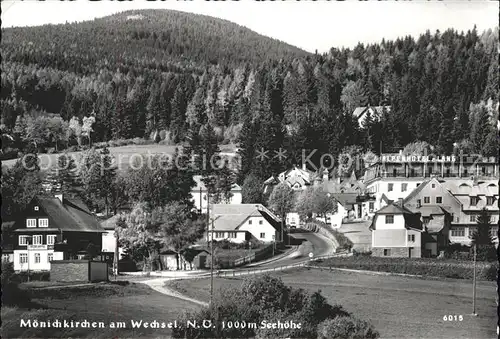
x=69 y=270
x=396 y=252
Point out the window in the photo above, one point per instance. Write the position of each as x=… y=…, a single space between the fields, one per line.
x=490 y=201
x=261 y=222
x=390 y=187
x=44 y=222
x=37 y=258
x=51 y=239
x=458 y=232
x=439 y=200
x=389 y=219
x=387 y=252
x=36 y=208
x=474 y=201
x=411 y=237
x=231 y=235
x=419 y=203
x=30 y=222
x=50 y=257
x=249 y=222
x=427 y=200
x=404 y=187
x=23 y=258
x=433 y=185
x=472 y=218
x=219 y=235
x=494 y=231
x=425 y=220
x=262 y=235
x=371 y=206
x=37 y=240
x=23 y=240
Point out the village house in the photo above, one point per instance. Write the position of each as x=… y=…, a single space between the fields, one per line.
x=437 y=208
x=474 y=195
x=297 y=178
x=397 y=232
x=349 y=193
x=395 y=176
x=244 y=222
x=53 y=228
x=199 y=195
x=376 y=112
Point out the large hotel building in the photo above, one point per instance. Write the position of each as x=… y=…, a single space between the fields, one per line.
x=469 y=179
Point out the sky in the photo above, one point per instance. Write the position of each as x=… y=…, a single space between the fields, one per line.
x=310 y=25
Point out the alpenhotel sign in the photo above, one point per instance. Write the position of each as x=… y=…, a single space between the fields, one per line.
x=418 y=158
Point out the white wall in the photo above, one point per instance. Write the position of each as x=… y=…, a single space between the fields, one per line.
x=399 y=222
x=240 y=236
x=380 y=187
x=109 y=243
x=293 y=219
x=257 y=225
x=201 y=202
x=44 y=264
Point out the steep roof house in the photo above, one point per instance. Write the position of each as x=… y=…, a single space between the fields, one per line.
x=244 y=222
x=54 y=228
x=296 y=178
x=396 y=232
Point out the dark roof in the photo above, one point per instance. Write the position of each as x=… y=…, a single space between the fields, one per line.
x=69 y=216
x=417 y=190
x=346 y=199
x=394 y=209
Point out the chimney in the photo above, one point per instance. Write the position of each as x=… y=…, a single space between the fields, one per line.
x=400 y=152
x=338 y=180
x=400 y=202
x=304 y=167
x=59 y=196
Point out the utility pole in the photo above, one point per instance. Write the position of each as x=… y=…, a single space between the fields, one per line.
x=29 y=241
x=474 y=283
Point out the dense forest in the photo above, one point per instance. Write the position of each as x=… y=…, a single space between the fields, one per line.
x=165 y=75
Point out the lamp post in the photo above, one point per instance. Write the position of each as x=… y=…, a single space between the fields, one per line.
x=474 y=283
x=212 y=263
x=28 y=243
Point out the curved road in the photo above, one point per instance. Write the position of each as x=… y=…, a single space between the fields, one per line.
x=312 y=242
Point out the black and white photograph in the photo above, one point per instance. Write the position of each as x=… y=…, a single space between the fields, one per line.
x=250 y=169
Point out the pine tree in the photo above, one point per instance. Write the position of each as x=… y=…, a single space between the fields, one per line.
x=482 y=237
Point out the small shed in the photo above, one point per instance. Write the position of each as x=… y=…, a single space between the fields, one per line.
x=189 y=259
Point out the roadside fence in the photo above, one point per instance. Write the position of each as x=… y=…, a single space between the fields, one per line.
x=255 y=271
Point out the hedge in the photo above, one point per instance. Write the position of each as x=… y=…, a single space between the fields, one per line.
x=425 y=267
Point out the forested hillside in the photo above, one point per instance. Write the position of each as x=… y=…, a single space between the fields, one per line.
x=164 y=74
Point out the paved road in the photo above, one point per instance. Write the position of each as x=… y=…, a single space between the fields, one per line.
x=312 y=242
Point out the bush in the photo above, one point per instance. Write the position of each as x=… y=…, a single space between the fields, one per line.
x=357 y=253
x=463 y=252
x=258 y=299
x=425 y=266
x=346 y=328
x=12 y=295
